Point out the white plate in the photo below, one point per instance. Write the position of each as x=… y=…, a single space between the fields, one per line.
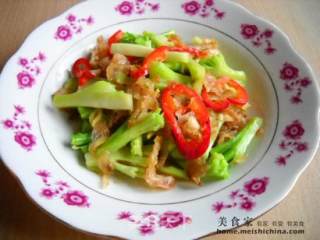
x=33 y=134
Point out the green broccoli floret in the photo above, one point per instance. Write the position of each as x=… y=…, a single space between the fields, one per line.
x=217 y=65
x=217 y=167
x=100 y=94
x=165 y=75
x=234 y=149
x=136 y=146
x=124 y=134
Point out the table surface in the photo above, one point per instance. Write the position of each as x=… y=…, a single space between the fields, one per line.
x=21 y=219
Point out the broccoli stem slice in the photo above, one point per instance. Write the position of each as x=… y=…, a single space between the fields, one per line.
x=166 y=75
x=174 y=171
x=198 y=73
x=136 y=146
x=80 y=139
x=100 y=94
x=124 y=134
x=234 y=149
x=217 y=65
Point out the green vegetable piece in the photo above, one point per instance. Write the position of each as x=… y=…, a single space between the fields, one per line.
x=197 y=40
x=235 y=148
x=217 y=65
x=238 y=151
x=158 y=40
x=177 y=67
x=179 y=57
x=198 y=73
x=174 y=171
x=136 y=146
x=84 y=112
x=166 y=75
x=129 y=49
x=217 y=167
x=100 y=94
x=124 y=134
x=80 y=139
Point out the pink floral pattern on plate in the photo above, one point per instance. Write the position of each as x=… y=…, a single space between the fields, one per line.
x=244 y=199
x=204 y=9
x=21 y=128
x=258 y=37
x=149 y=221
x=62 y=190
x=292 y=142
x=293 y=82
x=127 y=8
x=26 y=78
x=73 y=25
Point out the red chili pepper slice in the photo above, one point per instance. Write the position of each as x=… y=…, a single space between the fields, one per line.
x=85 y=78
x=80 y=66
x=116 y=37
x=219 y=105
x=190 y=148
x=159 y=54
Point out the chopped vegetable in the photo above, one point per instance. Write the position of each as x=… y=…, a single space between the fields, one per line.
x=225 y=92
x=136 y=146
x=195 y=146
x=116 y=37
x=100 y=94
x=152 y=107
x=123 y=135
x=217 y=65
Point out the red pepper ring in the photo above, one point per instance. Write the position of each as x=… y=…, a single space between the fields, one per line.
x=159 y=54
x=241 y=97
x=80 y=66
x=190 y=149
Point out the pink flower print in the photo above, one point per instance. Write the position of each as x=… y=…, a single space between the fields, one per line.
x=25 y=139
x=305 y=82
x=146 y=229
x=148 y=214
x=220 y=15
x=155 y=7
x=233 y=194
x=249 y=31
x=218 y=206
x=289 y=72
x=71 y=18
x=8 y=124
x=270 y=50
x=19 y=109
x=90 y=20
x=294 y=130
x=75 y=198
x=191 y=7
x=171 y=219
x=268 y=33
x=63 y=32
x=43 y=173
x=302 y=147
x=42 y=57
x=124 y=215
x=25 y=80
x=63 y=184
x=247 y=205
x=256 y=186
x=281 y=161
x=295 y=99
x=23 y=62
x=209 y=3
x=125 y=8
x=47 y=193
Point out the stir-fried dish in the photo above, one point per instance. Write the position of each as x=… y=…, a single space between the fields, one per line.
x=153 y=107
